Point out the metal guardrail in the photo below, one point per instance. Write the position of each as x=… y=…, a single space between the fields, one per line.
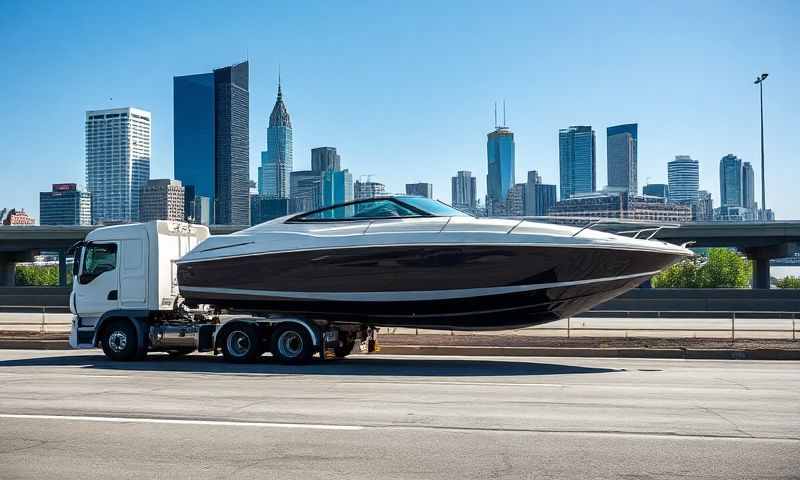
x=704 y=314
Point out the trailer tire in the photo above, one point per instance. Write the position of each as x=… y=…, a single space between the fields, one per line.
x=290 y=343
x=241 y=343
x=119 y=341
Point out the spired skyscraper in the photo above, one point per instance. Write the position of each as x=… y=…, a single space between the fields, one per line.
x=730 y=181
x=117 y=162
x=276 y=161
x=577 y=160
x=683 y=176
x=621 y=146
x=500 y=158
x=212 y=141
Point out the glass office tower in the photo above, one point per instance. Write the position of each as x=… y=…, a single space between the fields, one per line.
x=730 y=181
x=212 y=141
x=621 y=150
x=500 y=158
x=577 y=161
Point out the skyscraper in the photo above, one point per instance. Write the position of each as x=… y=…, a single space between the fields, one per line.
x=748 y=186
x=325 y=158
x=117 y=162
x=577 y=159
x=306 y=190
x=656 y=190
x=276 y=161
x=212 y=140
x=730 y=181
x=683 y=176
x=65 y=205
x=337 y=187
x=422 y=189
x=621 y=147
x=539 y=197
x=162 y=199
x=500 y=157
x=464 y=191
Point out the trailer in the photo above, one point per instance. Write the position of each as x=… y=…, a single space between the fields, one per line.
x=125 y=299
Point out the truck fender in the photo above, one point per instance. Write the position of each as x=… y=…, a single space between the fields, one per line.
x=137 y=317
x=312 y=329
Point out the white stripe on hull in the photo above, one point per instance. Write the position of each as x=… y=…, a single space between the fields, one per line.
x=405 y=296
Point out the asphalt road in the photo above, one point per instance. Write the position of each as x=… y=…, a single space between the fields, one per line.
x=75 y=415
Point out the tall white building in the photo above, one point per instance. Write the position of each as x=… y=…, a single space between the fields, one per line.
x=117 y=162
x=683 y=175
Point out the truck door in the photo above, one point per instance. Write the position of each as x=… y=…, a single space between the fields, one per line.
x=132 y=274
x=97 y=289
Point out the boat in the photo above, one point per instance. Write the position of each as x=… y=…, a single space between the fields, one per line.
x=406 y=261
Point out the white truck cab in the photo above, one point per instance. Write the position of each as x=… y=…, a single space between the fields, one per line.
x=127 y=268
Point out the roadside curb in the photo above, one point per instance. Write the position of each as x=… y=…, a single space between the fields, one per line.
x=33 y=344
x=680 y=353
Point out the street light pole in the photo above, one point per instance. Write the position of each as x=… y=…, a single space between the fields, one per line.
x=760 y=82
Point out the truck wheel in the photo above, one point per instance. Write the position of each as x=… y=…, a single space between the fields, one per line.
x=291 y=343
x=119 y=341
x=241 y=343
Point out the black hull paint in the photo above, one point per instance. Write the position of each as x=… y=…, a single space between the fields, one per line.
x=256 y=282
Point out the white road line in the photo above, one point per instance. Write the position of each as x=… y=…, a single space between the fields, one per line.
x=171 y=421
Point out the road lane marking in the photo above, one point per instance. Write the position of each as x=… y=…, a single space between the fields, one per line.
x=172 y=421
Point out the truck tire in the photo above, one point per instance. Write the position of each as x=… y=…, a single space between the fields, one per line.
x=290 y=343
x=119 y=341
x=241 y=343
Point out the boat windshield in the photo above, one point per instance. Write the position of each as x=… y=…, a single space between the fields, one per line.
x=432 y=207
x=392 y=207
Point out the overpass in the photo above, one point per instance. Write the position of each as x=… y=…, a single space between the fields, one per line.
x=759 y=241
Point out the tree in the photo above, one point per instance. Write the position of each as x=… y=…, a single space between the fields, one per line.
x=788 y=282
x=723 y=268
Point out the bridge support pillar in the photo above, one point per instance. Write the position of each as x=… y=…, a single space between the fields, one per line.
x=6 y=270
x=62 y=268
x=761 y=257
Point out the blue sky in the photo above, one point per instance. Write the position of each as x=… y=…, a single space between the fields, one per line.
x=405 y=90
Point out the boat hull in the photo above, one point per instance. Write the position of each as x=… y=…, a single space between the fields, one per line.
x=424 y=286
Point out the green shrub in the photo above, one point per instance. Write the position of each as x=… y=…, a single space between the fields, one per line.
x=723 y=268
x=36 y=275
x=788 y=282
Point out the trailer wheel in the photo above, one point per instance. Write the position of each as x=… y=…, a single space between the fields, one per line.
x=291 y=343
x=241 y=343
x=119 y=341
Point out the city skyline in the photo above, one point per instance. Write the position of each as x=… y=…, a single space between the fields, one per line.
x=722 y=110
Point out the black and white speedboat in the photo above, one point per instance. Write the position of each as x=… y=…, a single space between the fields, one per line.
x=412 y=261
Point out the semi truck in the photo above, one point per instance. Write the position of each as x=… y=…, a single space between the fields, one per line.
x=125 y=299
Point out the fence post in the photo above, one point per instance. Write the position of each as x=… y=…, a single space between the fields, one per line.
x=733 y=327
x=794 y=329
x=43 y=328
x=568 y=326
